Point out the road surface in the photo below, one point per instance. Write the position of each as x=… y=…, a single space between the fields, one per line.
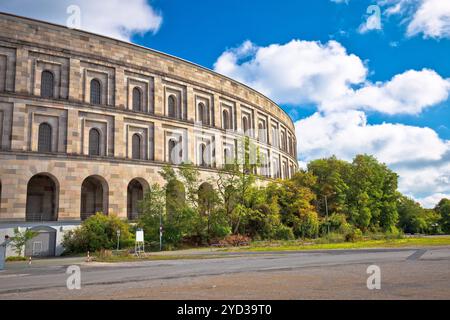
x=406 y=273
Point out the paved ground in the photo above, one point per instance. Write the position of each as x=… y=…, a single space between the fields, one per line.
x=338 y=274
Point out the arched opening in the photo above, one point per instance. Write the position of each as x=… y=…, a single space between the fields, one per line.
x=227 y=159
x=135 y=194
x=206 y=198
x=175 y=197
x=94 y=142
x=94 y=197
x=225 y=120
x=96 y=92
x=245 y=125
x=137 y=99
x=45 y=138
x=203 y=157
x=175 y=152
x=201 y=113
x=172 y=103
x=47 y=84
x=42 y=198
x=171 y=147
x=136 y=146
x=261 y=132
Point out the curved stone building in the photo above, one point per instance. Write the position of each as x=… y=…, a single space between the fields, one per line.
x=86 y=123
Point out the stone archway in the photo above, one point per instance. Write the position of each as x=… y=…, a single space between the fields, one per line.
x=135 y=193
x=42 y=198
x=94 y=196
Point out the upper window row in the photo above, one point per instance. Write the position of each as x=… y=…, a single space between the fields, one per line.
x=173 y=106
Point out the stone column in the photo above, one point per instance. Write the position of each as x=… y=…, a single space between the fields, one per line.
x=159 y=97
x=190 y=100
x=23 y=71
x=121 y=91
x=19 y=127
x=159 y=142
x=75 y=80
x=119 y=137
x=217 y=112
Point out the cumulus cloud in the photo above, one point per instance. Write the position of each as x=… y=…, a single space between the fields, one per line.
x=327 y=75
x=417 y=154
x=335 y=81
x=296 y=72
x=114 y=18
x=431 y=201
x=432 y=19
x=407 y=93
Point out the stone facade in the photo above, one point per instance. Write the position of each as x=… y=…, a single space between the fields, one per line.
x=140 y=103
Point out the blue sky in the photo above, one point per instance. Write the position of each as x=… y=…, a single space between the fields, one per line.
x=352 y=83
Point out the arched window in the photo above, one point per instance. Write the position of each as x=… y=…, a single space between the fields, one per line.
x=47 y=84
x=94 y=196
x=172 y=155
x=137 y=99
x=225 y=120
x=96 y=91
x=94 y=142
x=203 y=155
x=42 y=198
x=136 y=146
x=245 y=125
x=201 y=113
x=172 y=103
x=227 y=156
x=45 y=138
x=261 y=132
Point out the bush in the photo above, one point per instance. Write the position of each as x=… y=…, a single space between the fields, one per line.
x=96 y=233
x=282 y=232
x=235 y=240
x=354 y=235
x=17 y=258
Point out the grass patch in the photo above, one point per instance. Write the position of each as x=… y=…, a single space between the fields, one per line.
x=382 y=243
x=15 y=259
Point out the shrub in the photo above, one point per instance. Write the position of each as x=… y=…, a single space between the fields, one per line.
x=96 y=233
x=235 y=240
x=354 y=235
x=14 y=259
x=282 y=232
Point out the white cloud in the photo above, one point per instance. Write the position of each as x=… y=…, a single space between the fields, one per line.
x=407 y=93
x=417 y=154
x=432 y=19
x=325 y=74
x=296 y=72
x=114 y=18
x=431 y=201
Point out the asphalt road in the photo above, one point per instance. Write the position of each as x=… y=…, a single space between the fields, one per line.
x=337 y=274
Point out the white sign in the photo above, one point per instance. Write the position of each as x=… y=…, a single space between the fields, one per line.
x=140 y=236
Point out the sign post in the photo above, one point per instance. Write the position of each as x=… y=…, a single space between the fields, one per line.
x=139 y=246
x=118 y=238
x=160 y=236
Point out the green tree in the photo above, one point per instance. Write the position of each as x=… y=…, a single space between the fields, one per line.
x=153 y=212
x=443 y=208
x=96 y=233
x=20 y=238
